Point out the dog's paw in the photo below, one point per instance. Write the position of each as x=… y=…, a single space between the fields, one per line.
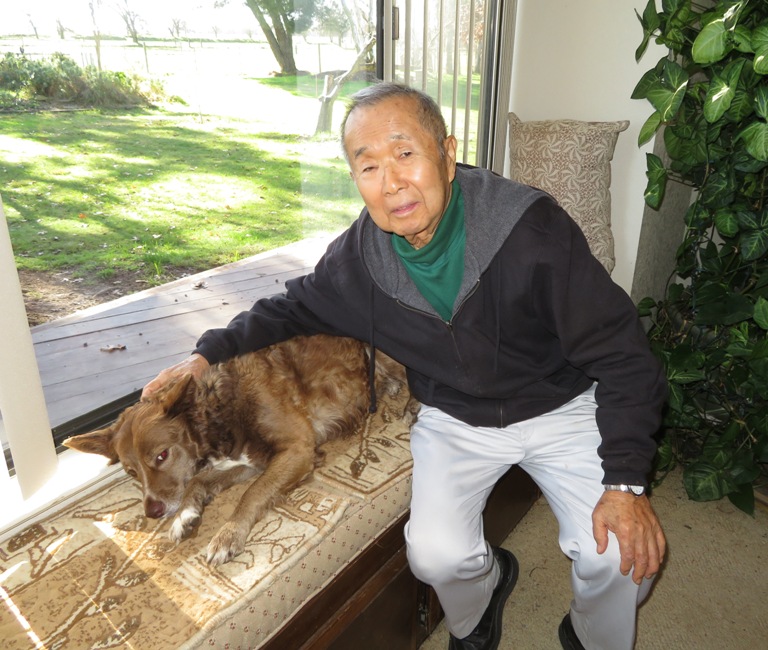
x=226 y=544
x=184 y=523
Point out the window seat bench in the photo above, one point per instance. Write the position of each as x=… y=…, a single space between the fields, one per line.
x=324 y=569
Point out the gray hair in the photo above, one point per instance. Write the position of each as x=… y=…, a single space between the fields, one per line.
x=429 y=114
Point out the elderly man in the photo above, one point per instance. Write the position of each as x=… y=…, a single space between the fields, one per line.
x=520 y=348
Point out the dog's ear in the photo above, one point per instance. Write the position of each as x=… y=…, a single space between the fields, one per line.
x=95 y=442
x=179 y=396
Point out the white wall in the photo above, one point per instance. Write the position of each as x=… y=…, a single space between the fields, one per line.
x=576 y=59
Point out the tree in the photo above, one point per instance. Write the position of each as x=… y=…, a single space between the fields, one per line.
x=334 y=20
x=280 y=20
x=32 y=24
x=334 y=85
x=178 y=28
x=130 y=18
x=94 y=6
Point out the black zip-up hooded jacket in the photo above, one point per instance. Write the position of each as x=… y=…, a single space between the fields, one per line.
x=536 y=322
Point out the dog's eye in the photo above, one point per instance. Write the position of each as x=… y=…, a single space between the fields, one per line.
x=162 y=456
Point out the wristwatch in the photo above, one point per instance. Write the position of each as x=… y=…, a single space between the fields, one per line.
x=637 y=490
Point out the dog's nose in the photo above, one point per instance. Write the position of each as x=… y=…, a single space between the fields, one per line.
x=154 y=509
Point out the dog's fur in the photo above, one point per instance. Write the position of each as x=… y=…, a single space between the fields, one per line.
x=265 y=413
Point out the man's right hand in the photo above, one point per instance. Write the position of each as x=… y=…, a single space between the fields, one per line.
x=193 y=365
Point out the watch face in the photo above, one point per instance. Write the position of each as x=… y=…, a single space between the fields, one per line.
x=637 y=490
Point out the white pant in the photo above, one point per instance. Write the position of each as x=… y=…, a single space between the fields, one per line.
x=455 y=469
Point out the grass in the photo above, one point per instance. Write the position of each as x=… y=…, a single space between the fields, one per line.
x=161 y=193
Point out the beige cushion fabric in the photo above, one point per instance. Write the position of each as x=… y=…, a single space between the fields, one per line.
x=571 y=160
x=99 y=574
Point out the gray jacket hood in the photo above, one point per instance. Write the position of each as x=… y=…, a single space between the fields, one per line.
x=489 y=220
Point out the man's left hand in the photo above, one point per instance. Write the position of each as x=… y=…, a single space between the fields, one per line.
x=633 y=521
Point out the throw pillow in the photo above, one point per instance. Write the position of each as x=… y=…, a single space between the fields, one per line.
x=571 y=160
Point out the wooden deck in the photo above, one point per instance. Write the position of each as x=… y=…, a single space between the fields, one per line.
x=154 y=329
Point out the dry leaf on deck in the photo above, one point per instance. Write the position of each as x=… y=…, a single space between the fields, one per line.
x=112 y=348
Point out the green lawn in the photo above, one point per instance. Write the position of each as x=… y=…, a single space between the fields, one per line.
x=161 y=192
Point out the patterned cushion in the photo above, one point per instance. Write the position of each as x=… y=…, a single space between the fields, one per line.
x=571 y=160
x=99 y=574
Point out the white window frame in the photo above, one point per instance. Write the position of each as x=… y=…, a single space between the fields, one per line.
x=42 y=479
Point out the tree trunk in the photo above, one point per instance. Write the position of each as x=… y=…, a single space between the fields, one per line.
x=327 y=99
x=279 y=39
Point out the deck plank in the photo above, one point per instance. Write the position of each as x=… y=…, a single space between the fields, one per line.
x=158 y=327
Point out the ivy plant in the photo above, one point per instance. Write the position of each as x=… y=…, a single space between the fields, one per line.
x=710 y=105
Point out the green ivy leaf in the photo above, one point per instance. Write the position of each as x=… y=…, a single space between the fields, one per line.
x=741 y=106
x=711 y=44
x=683 y=377
x=721 y=92
x=761 y=312
x=657 y=181
x=761 y=101
x=704 y=482
x=650 y=22
x=649 y=128
x=676 y=398
x=667 y=97
x=646 y=306
x=743 y=497
x=742 y=39
x=718 y=99
x=760 y=64
x=726 y=223
x=759 y=40
x=753 y=244
x=674 y=75
x=649 y=80
x=755 y=138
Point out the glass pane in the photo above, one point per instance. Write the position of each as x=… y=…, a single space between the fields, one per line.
x=438 y=47
x=104 y=203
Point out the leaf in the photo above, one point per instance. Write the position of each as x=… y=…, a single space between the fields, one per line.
x=742 y=39
x=650 y=22
x=112 y=347
x=760 y=64
x=735 y=310
x=761 y=312
x=741 y=106
x=668 y=96
x=657 y=180
x=726 y=223
x=718 y=99
x=759 y=42
x=753 y=244
x=722 y=90
x=761 y=101
x=711 y=44
x=649 y=128
x=755 y=138
x=704 y=482
x=675 y=75
x=649 y=80
x=685 y=376
x=744 y=498
x=646 y=306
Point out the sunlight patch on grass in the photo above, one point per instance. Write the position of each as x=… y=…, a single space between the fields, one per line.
x=16 y=149
x=158 y=194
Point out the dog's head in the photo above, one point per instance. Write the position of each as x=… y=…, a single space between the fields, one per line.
x=151 y=439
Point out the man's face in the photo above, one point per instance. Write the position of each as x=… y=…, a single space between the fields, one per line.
x=397 y=168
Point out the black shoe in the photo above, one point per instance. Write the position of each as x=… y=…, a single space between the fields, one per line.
x=487 y=634
x=567 y=634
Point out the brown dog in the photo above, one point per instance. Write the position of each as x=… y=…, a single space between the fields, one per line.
x=265 y=413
